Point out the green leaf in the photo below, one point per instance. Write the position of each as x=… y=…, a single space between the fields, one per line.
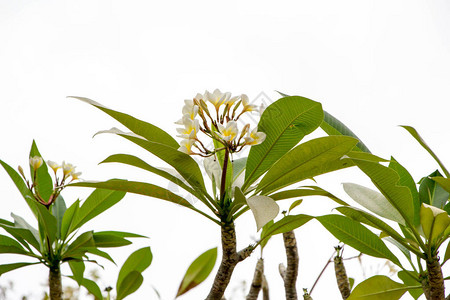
x=263 y=242
x=431 y=192
x=198 y=271
x=122 y=234
x=77 y=268
x=58 y=209
x=182 y=162
x=238 y=167
x=351 y=281
x=23 y=236
x=407 y=180
x=409 y=281
x=103 y=240
x=312 y=158
x=19 y=222
x=68 y=218
x=421 y=141
x=92 y=288
x=139 y=163
x=333 y=126
x=378 y=287
x=295 y=204
x=285 y=122
x=80 y=245
x=100 y=253
x=21 y=186
x=447 y=254
x=239 y=200
x=10 y=245
x=286 y=224
x=144 y=129
x=47 y=221
x=4 y=268
x=443 y=182
x=386 y=180
x=373 y=201
x=44 y=182
x=97 y=202
x=434 y=222
x=140 y=188
x=305 y=191
x=357 y=236
x=138 y=261
x=130 y=284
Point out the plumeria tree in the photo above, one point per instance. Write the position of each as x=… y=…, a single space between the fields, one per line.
x=56 y=239
x=213 y=129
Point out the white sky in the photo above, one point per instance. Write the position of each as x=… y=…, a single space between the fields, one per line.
x=373 y=64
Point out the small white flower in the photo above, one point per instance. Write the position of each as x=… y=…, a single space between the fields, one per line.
x=255 y=138
x=229 y=132
x=246 y=105
x=68 y=169
x=190 y=130
x=186 y=146
x=190 y=109
x=36 y=162
x=75 y=176
x=53 y=165
x=213 y=169
x=217 y=98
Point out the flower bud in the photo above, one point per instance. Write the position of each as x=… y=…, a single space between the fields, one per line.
x=36 y=162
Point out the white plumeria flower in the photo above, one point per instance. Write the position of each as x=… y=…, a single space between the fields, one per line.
x=186 y=146
x=254 y=137
x=246 y=105
x=190 y=109
x=36 y=162
x=55 y=166
x=213 y=169
x=190 y=130
x=229 y=132
x=217 y=98
x=68 y=169
x=75 y=176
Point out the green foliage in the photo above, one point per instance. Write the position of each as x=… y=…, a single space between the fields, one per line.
x=377 y=288
x=198 y=271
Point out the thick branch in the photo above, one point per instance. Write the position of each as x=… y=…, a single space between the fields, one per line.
x=230 y=258
x=435 y=279
x=257 y=281
x=55 y=285
x=290 y=277
x=341 y=277
x=265 y=288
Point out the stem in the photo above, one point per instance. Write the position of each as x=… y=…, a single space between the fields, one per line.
x=230 y=258
x=435 y=278
x=321 y=272
x=55 y=285
x=257 y=282
x=290 y=277
x=341 y=277
x=224 y=175
x=265 y=288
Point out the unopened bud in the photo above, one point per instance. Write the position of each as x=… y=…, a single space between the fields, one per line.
x=21 y=171
x=36 y=162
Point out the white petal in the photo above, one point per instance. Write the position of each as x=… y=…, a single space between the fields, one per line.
x=264 y=209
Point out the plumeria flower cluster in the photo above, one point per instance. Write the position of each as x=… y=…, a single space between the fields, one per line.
x=68 y=175
x=219 y=123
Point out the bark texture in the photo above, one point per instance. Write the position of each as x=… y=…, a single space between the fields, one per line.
x=257 y=281
x=435 y=279
x=230 y=258
x=55 y=285
x=265 y=288
x=290 y=276
x=341 y=277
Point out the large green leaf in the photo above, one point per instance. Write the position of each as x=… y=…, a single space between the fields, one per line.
x=98 y=201
x=23 y=236
x=44 y=182
x=20 y=222
x=198 y=271
x=92 y=288
x=10 y=245
x=68 y=218
x=122 y=234
x=103 y=240
x=21 y=186
x=378 y=287
x=144 y=129
x=80 y=246
x=100 y=253
x=434 y=223
x=47 y=221
x=386 y=180
x=286 y=224
x=357 y=236
x=307 y=160
x=4 y=268
x=182 y=162
x=407 y=180
x=443 y=182
x=409 y=281
x=333 y=126
x=306 y=191
x=285 y=122
x=141 y=188
x=431 y=192
x=129 y=284
x=58 y=210
x=373 y=201
x=138 y=261
x=421 y=141
x=77 y=267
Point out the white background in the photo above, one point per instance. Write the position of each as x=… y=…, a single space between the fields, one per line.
x=372 y=64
